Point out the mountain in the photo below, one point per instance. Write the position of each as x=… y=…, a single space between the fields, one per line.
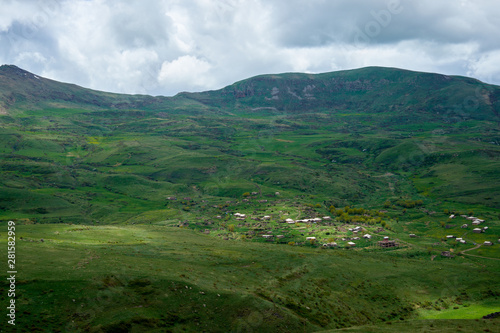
x=137 y=195
x=20 y=89
x=369 y=90
x=342 y=125
x=372 y=90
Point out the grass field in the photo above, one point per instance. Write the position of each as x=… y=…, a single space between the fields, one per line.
x=107 y=278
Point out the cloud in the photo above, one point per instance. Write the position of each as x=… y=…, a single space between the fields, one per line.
x=186 y=71
x=166 y=46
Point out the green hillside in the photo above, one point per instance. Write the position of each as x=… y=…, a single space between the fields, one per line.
x=152 y=182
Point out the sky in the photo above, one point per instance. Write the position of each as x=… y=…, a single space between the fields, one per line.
x=162 y=47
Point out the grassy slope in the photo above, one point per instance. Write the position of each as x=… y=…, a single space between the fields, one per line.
x=102 y=278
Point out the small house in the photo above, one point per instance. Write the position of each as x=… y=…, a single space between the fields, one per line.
x=476 y=222
x=351 y=244
x=327 y=218
x=413 y=236
x=367 y=236
x=280 y=236
x=386 y=238
x=450 y=237
x=310 y=238
x=487 y=243
x=446 y=254
x=463 y=241
x=387 y=243
x=267 y=236
x=452 y=216
x=465 y=226
x=477 y=230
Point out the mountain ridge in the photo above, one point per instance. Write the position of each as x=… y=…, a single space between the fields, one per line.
x=368 y=88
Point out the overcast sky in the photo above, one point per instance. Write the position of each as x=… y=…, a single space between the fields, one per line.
x=161 y=47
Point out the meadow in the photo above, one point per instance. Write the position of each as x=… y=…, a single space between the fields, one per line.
x=152 y=278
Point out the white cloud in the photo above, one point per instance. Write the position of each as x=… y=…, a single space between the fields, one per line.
x=167 y=46
x=486 y=67
x=185 y=73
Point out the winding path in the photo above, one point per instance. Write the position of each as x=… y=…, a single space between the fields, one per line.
x=473 y=255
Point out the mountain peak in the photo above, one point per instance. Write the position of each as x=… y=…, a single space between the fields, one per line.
x=13 y=71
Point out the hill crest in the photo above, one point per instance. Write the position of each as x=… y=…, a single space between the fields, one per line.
x=369 y=89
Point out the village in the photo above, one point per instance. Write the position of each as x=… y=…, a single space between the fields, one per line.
x=363 y=229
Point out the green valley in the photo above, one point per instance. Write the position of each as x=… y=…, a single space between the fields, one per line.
x=281 y=203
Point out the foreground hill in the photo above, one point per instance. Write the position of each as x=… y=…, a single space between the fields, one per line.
x=304 y=159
